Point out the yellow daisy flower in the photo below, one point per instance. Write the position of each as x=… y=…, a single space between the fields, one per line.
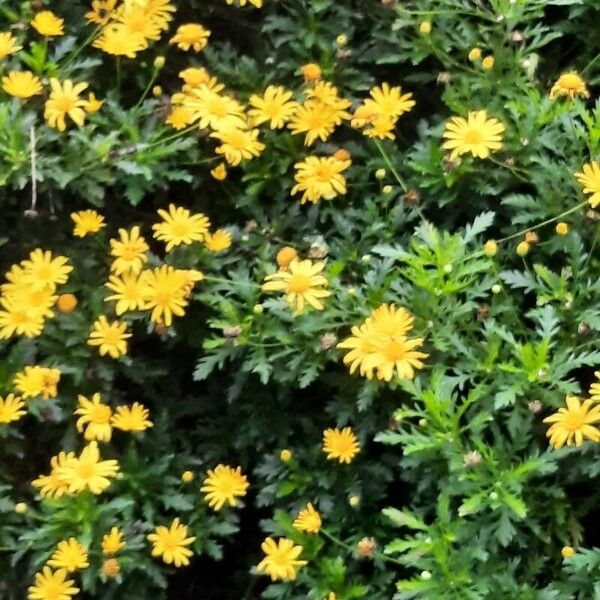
x=70 y=555
x=42 y=269
x=128 y=291
x=116 y=40
x=389 y=101
x=320 y=178
x=308 y=520
x=94 y=419
x=110 y=337
x=340 y=444
x=224 y=484
x=170 y=544
x=48 y=24
x=102 y=11
x=129 y=251
x=476 y=135
x=52 y=486
x=16 y=319
x=92 y=104
x=595 y=388
x=190 y=35
x=132 y=418
x=112 y=541
x=21 y=84
x=589 y=178
x=569 y=85
x=316 y=120
x=87 y=221
x=275 y=106
x=11 y=409
x=64 y=101
x=52 y=585
x=165 y=294
x=8 y=45
x=281 y=561
x=218 y=241
x=35 y=381
x=302 y=283
x=180 y=226
x=237 y=144
x=573 y=423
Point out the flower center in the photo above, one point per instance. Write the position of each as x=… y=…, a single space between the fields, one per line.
x=574 y=421
x=65 y=104
x=100 y=415
x=112 y=336
x=298 y=283
x=394 y=350
x=473 y=136
x=86 y=471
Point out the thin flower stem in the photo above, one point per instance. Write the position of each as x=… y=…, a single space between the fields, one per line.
x=376 y=554
x=513 y=170
x=546 y=222
x=145 y=92
x=391 y=167
x=171 y=137
x=78 y=50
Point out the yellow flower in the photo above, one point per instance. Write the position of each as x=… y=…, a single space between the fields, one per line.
x=35 y=381
x=238 y=144
x=47 y=24
x=285 y=455
x=165 y=294
x=475 y=54
x=180 y=226
x=381 y=127
x=562 y=228
x=111 y=337
x=132 y=418
x=425 y=27
x=190 y=35
x=66 y=303
x=567 y=551
x=301 y=282
x=320 y=177
x=87 y=471
x=573 y=423
x=218 y=241
x=281 y=559
x=285 y=256
x=187 y=477
x=111 y=567
x=92 y=104
x=134 y=19
x=8 y=45
x=128 y=291
x=64 y=101
x=87 y=221
x=52 y=486
x=488 y=63
x=102 y=11
x=11 y=409
x=589 y=178
x=42 y=270
x=569 y=85
x=224 y=484
x=194 y=77
x=316 y=120
x=388 y=101
x=16 y=319
x=159 y=12
x=311 y=72
x=595 y=388
x=476 y=135
x=213 y=109
x=340 y=444
x=180 y=117
x=52 y=585
x=170 y=544
x=275 y=106
x=308 y=520
x=21 y=84
x=112 y=541
x=115 y=39
x=69 y=555
x=219 y=172
x=129 y=251
x=95 y=418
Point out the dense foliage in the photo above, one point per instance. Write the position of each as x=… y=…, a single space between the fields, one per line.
x=328 y=329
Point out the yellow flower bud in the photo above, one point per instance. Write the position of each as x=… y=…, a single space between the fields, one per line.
x=66 y=303
x=311 y=72
x=490 y=248
x=187 y=477
x=425 y=27
x=341 y=40
x=285 y=256
x=258 y=309
x=354 y=500
x=157 y=90
x=567 y=551
x=496 y=288
x=285 y=455
x=111 y=567
x=380 y=174
x=523 y=249
x=159 y=62
x=387 y=189
x=21 y=508
x=488 y=62
x=562 y=228
x=475 y=54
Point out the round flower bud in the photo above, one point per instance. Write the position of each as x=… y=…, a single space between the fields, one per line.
x=311 y=72
x=475 y=54
x=285 y=256
x=111 y=567
x=426 y=575
x=535 y=406
x=285 y=455
x=496 y=288
x=448 y=269
x=354 y=501
x=412 y=197
x=493 y=496
x=341 y=40
x=66 y=303
x=342 y=155
x=366 y=547
x=523 y=249
x=258 y=309
x=490 y=248
x=567 y=551
x=488 y=62
x=562 y=228
x=327 y=341
x=232 y=332
x=532 y=238
x=423 y=422
x=21 y=508
x=159 y=62
x=387 y=189
x=425 y=27
x=380 y=174
x=157 y=90
x=472 y=459
x=187 y=477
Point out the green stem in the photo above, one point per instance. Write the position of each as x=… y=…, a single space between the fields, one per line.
x=145 y=92
x=351 y=549
x=78 y=50
x=513 y=170
x=174 y=137
x=590 y=63
x=391 y=167
x=546 y=222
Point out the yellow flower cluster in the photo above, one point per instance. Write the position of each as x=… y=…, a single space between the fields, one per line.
x=380 y=345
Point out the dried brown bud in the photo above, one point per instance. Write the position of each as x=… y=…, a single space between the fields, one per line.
x=483 y=312
x=31 y=213
x=516 y=37
x=509 y=162
x=343 y=53
x=472 y=459
x=583 y=329
x=532 y=238
x=449 y=165
x=366 y=547
x=317 y=251
x=250 y=226
x=328 y=340
x=443 y=78
x=232 y=332
x=593 y=215
x=535 y=406
x=412 y=197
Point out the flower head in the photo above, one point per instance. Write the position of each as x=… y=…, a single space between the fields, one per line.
x=112 y=541
x=218 y=241
x=43 y=270
x=102 y=11
x=8 y=45
x=134 y=418
x=476 y=135
x=117 y=40
x=128 y=291
x=11 y=409
x=70 y=555
x=65 y=101
x=224 y=484
x=171 y=543
x=52 y=485
x=275 y=107
x=574 y=423
x=21 y=84
x=129 y=251
x=35 y=381
x=94 y=419
x=191 y=35
x=281 y=559
x=180 y=226
x=308 y=520
x=320 y=178
x=110 y=337
x=237 y=144
x=52 y=585
x=569 y=85
x=589 y=178
x=48 y=24
x=340 y=444
x=87 y=221
x=302 y=283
